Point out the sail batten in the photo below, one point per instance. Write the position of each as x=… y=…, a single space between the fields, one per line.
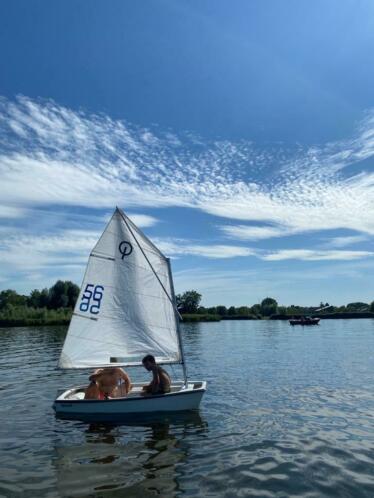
x=127 y=292
x=102 y=257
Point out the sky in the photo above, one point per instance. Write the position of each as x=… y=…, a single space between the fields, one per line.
x=238 y=135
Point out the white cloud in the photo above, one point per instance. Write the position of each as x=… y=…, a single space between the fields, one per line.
x=143 y=220
x=54 y=159
x=245 y=232
x=182 y=247
x=177 y=247
x=67 y=251
x=315 y=255
x=11 y=212
x=50 y=154
x=23 y=252
x=346 y=241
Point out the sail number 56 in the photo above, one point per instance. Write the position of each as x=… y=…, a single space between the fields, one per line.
x=91 y=298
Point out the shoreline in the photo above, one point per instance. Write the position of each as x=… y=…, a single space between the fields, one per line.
x=187 y=318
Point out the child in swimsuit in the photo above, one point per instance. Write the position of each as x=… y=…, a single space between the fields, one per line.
x=108 y=382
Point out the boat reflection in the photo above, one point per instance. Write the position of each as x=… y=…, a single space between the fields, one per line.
x=142 y=457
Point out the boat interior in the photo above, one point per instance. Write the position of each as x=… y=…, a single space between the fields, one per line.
x=77 y=393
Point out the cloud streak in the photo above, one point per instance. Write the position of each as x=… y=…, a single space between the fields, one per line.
x=310 y=255
x=27 y=253
x=245 y=232
x=53 y=155
x=214 y=251
x=61 y=170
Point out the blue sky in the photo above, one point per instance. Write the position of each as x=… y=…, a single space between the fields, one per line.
x=238 y=135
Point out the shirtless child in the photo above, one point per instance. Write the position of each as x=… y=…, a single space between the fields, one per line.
x=108 y=382
x=161 y=382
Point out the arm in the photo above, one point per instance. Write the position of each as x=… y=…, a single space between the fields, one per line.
x=126 y=379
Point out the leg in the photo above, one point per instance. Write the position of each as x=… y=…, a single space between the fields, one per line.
x=92 y=391
x=146 y=390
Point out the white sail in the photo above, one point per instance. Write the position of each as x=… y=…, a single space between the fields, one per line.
x=125 y=308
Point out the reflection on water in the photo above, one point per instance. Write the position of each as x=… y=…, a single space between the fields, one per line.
x=145 y=458
x=289 y=412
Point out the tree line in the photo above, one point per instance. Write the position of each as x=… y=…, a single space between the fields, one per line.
x=63 y=294
x=55 y=305
x=46 y=306
x=189 y=303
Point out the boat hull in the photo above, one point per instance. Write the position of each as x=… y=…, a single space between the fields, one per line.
x=69 y=405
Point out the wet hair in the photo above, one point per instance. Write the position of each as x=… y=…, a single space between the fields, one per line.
x=149 y=358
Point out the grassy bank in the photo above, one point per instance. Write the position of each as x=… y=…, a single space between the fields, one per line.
x=327 y=316
x=38 y=317
x=22 y=316
x=196 y=317
x=192 y=317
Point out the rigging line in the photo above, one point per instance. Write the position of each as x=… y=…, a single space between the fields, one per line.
x=150 y=264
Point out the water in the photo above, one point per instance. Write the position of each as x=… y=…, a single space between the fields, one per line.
x=289 y=412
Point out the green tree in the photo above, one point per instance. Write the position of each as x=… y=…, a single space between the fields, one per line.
x=56 y=293
x=44 y=298
x=189 y=301
x=212 y=310
x=34 y=299
x=231 y=311
x=63 y=294
x=269 y=306
x=372 y=307
x=243 y=311
x=358 y=306
x=10 y=297
x=72 y=293
x=256 y=309
x=221 y=310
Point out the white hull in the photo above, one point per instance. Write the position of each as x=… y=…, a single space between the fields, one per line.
x=70 y=404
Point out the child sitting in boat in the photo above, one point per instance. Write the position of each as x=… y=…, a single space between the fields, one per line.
x=108 y=382
x=161 y=381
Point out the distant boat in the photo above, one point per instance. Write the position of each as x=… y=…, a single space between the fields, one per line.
x=305 y=320
x=126 y=309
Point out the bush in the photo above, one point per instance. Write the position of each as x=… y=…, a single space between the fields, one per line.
x=23 y=315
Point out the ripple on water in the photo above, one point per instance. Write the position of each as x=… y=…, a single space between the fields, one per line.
x=288 y=413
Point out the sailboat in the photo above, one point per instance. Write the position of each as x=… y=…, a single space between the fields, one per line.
x=125 y=310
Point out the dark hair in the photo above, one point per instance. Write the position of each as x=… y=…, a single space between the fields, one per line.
x=149 y=358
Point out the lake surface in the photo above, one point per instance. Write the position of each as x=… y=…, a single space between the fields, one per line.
x=289 y=412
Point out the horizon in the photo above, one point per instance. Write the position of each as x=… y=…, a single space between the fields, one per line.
x=240 y=139
x=201 y=305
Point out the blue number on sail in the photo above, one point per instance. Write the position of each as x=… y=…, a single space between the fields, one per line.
x=97 y=297
x=96 y=294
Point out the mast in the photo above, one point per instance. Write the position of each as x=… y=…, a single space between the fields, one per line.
x=177 y=315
